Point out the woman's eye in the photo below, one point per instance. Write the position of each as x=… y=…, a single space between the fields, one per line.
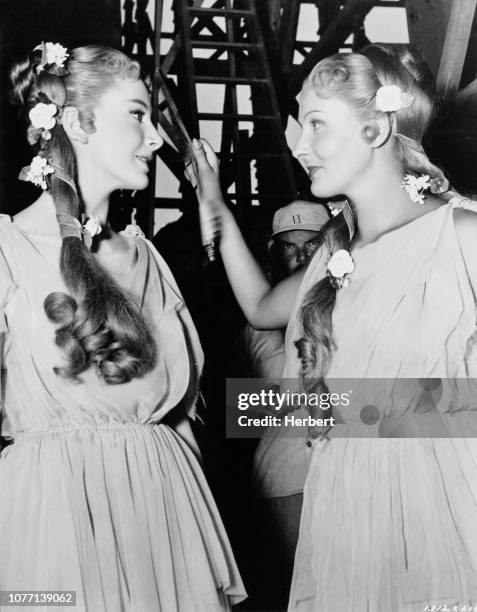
x=316 y=124
x=139 y=115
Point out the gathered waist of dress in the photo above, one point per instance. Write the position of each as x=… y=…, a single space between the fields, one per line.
x=52 y=430
x=431 y=424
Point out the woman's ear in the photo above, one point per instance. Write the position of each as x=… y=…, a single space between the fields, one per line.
x=72 y=125
x=377 y=131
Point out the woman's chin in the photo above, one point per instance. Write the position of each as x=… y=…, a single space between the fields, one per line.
x=138 y=184
x=321 y=191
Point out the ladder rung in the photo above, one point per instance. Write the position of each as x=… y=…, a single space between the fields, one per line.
x=229 y=79
x=238 y=117
x=210 y=43
x=168 y=202
x=218 y=12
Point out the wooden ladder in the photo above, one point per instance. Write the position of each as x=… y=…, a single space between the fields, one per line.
x=232 y=28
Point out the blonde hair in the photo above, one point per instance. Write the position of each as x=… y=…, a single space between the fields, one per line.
x=356 y=78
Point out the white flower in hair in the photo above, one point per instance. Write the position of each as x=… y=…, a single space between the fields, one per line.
x=334 y=210
x=38 y=170
x=55 y=54
x=92 y=226
x=422 y=182
x=390 y=98
x=415 y=185
x=132 y=230
x=340 y=264
x=42 y=116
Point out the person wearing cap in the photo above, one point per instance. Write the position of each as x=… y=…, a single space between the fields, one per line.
x=296 y=235
x=281 y=460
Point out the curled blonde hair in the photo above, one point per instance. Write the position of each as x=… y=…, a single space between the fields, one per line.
x=97 y=323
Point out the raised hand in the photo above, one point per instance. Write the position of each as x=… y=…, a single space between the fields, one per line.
x=203 y=171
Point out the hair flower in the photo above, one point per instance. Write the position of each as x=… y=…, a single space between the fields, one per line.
x=42 y=116
x=390 y=98
x=56 y=54
x=439 y=185
x=53 y=54
x=132 y=230
x=92 y=226
x=414 y=186
x=340 y=264
x=334 y=210
x=37 y=172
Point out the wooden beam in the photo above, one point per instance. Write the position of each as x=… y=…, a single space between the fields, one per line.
x=468 y=92
x=455 y=45
x=428 y=40
x=171 y=55
x=349 y=18
x=328 y=11
x=148 y=215
x=186 y=72
x=269 y=14
x=288 y=29
x=469 y=72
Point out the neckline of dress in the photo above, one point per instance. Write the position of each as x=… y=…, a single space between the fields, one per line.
x=132 y=242
x=135 y=252
x=401 y=229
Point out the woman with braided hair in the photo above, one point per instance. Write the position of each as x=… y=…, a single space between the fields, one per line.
x=102 y=497
x=389 y=510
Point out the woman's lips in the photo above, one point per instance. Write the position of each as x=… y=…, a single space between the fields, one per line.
x=144 y=159
x=313 y=170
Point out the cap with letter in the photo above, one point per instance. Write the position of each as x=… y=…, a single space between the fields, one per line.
x=299 y=215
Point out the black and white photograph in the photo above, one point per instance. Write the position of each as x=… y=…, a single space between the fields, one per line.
x=238 y=305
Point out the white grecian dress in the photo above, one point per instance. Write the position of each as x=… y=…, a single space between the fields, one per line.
x=98 y=496
x=390 y=524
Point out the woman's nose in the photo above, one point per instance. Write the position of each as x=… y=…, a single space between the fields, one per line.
x=154 y=139
x=300 y=148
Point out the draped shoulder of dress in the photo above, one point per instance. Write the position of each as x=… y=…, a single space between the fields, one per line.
x=98 y=495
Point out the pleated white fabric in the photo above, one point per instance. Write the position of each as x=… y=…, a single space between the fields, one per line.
x=390 y=525
x=98 y=496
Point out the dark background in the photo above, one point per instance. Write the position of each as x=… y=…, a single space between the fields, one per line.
x=23 y=25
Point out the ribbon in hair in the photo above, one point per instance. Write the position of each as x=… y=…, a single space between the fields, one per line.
x=84 y=230
x=349 y=218
x=69 y=226
x=64 y=176
x=419 y=159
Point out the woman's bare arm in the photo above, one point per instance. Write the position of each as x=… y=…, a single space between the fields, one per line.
x=263 y=306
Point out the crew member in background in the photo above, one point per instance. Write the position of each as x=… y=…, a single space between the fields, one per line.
x=281 y=459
